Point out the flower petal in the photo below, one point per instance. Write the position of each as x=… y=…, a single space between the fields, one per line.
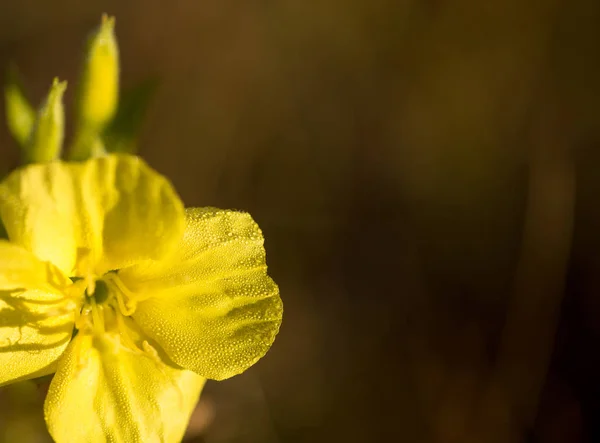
x=103 y=392
x=20 y=269
x=211 y=305
x=95 y=216
x=36 y=320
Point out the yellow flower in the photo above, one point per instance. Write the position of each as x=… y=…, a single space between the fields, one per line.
x=131 y=299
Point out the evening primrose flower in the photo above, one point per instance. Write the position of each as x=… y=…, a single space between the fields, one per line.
x=132 y=300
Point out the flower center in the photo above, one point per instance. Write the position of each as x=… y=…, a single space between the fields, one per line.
x=101 y=292
x=106 y=313
x=106 y=304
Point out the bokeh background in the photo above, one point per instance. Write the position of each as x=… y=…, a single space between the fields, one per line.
x=426 y=174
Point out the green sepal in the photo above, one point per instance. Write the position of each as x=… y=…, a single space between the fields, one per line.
x=20 y=115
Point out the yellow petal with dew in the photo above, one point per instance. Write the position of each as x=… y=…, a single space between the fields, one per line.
x=91 y=217
x=20 y=269
x=36 y=318
x=103 y=391
x=211 y=306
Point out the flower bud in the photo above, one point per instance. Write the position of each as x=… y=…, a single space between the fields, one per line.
x=98 y=92
x=99 y=89
x=48 y=133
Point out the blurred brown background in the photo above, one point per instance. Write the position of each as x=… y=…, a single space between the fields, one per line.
x=426 y=175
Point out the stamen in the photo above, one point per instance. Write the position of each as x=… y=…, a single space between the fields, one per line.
x=97 y=317
x=123 y=330
x=101 y=315
x=82 y=320
x=121 y=291
x=150 y=351
x=77 y=318
x=146 y=348
x=112 y=276
x=90 y=283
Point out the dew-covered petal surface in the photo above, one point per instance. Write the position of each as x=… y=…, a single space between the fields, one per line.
x=36 y=321
x=211 y=306
x=104 y=392
x=102 y=214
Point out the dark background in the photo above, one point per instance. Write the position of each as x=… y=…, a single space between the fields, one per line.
x=426 y=174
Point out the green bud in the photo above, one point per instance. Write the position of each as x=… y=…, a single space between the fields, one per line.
x=99 y=90
x=98 y=93
x=48 y=133
x=20 y=115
